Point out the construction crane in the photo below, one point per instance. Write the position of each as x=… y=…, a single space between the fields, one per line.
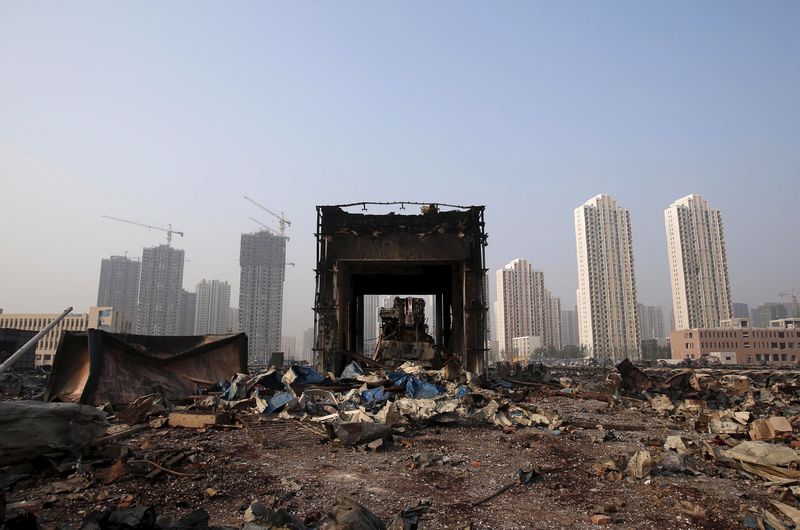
x=794 y=302
x=283 y=222
x=265 y=227
x=169 y=230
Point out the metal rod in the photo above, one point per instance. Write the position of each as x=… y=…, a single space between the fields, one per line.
x=31 y=343
x=393 y=203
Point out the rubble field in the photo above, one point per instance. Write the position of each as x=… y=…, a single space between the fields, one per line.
x=564 y=447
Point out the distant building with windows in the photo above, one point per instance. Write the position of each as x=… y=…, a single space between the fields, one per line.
x=160 y=286
x=119 y=284
x=569 y=325
x=765 y=313
x=698 y=264
x=741 y=310
x=187 y=307
x=524 y=348
x=525 y=308
x=372 y=323
x=212 y=310
x=736 y=342
x=105 y=318
x=608 y=322
x=651 y=321
x=262 y=259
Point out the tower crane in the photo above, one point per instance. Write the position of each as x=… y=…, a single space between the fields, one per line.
x=283 y=222
x=794 y=301
x=168 y=230
x=265 y=227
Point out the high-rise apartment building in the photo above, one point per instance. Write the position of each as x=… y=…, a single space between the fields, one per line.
x=651 y=322
x=307 y=353
x=263 y=262
x=289 y=348
x=701 y=294
x=741 y=310
x=233 y=320
x=187 y=305
x=762 y=314
x=569 y=324
x=553 y=332
x=372 y=324
x=119 y=285
x=213 y=307
x=608 y=325
x=160 y=291
x=525 y=308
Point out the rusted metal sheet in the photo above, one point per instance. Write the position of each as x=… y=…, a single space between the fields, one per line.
x=96 y=367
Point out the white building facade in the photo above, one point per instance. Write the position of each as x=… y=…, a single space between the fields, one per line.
x=608 y=325
x=104 y=318
x=525 y=308
x=698 y=265
x=212 y=313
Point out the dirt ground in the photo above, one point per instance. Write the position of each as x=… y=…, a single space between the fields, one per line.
x=291 y=465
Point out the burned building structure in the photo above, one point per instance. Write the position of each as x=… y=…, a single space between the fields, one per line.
x=438 y=252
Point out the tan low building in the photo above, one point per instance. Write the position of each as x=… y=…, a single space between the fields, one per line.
x=735 y=342
x=105 y=318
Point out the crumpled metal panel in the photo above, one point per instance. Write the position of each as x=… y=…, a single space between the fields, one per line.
x=95 y=366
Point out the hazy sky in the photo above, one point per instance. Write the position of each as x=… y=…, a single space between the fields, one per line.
x=169 y=112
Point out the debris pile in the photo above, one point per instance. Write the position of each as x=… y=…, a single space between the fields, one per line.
x=410 y=446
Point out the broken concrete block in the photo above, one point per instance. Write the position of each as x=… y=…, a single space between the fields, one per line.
x=31 y=428
x=640 y=464
x=195 y=420
x=259 y=517
x=770 y=428
x=347 y=514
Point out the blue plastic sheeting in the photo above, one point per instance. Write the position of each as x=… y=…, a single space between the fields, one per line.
x=239 y=387
x=278 y=401
x=271 y=380
x=351 y=371
x=374 y=397
x=418 y=389
x=394 y=375
x=462 y=391
x=305 y=375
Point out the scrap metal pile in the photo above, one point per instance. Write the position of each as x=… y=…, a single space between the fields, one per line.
x=640 y=428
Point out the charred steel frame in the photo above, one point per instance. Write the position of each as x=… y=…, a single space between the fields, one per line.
x=441 y=253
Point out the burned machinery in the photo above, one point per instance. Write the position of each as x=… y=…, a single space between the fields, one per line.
x=404 y=334
x=438 y=252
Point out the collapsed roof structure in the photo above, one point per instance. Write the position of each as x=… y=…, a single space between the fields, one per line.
x=93 y=367
x=439 y=252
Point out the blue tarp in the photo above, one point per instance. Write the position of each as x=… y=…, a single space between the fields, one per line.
x=278 y=401
x=271 y=380
x=374 y=397
x=416 y=388
x=462 y=391
x=238 y=388
x=351 y=371
x=305 y=375
x=501 y=383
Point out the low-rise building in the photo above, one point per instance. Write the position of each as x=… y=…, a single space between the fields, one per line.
x=105 y=318
x=525 y=347
x=735 y=341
